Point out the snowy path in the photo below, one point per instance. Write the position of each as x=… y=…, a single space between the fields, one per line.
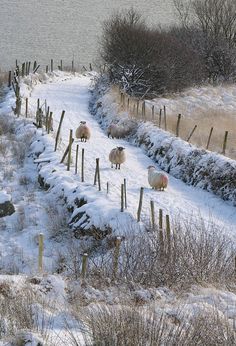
x=72 y=95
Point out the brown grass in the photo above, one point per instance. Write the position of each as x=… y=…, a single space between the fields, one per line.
x=220 y=120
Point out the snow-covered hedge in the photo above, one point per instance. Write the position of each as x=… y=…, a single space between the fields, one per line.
x=195 y=166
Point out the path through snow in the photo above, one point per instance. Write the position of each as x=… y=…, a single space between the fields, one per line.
x=72 y=95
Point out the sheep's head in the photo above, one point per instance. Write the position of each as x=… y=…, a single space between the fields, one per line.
x=83 y=122
x=149 y=167
x=120 y=148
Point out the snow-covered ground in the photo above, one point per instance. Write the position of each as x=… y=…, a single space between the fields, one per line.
x=179 y=200
x=55 y=295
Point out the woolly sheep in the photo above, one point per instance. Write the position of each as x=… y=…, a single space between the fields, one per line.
x=157 y=180
x=83 y=132
x=116 y=131
x=117 y=157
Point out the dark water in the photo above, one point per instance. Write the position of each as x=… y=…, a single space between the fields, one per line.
x=64 y=29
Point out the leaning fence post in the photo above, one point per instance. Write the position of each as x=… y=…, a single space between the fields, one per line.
x=97 y=175
x=40 y=254
x=177 y=125
x=76 y=159
x=116 y=257
x=191 y=133
x=140 y=204
x=209 y=138
x=225 y=142
x=84 y=265
x=69 y=150
x=152 y=214
x=59 y=129
x=82 y=166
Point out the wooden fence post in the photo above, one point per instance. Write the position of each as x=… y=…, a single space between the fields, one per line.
x=66 y=152
x=153 y=112
x=28 y=71
x=137 y=108
x=72 y=65
x=26 y=107
x=69 y=150
x=152 y=214
x=59 y=129
x=165 y=120
x=84 y=265
x=209 y=138
x=9 y=79
x=35 y=65
x=122 y=198
x=61 y=66
x=51 y=65
x=125 y=193
x=49 y=122
x=225 y=142
x=168 y=232
x=161 y=230
x=76 y=159
x=107 y=187
x=116 y=257
x=191 y=133
x=40 y=254
x=46 y=68
x=140 y=204
x=159 y=125
x=177 y=125
x=97 y=175
x=82 y=166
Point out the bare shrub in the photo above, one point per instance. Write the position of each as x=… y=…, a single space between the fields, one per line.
x=57 y=220
x=113 y=326
x=195 y=254
x=24 y=180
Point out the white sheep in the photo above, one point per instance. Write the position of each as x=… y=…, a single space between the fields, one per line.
x=83 y=132
x=117 y=157
x=157 y=180
x=116 y=131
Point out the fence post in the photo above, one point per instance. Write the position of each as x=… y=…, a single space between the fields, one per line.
x=116 y=256
x=107 y=187
x=49 y=122
x=165 y=120
x=61 y=66
x=137 y=108
x=177 y=125
x=40 y=254
x=168 y=232
x=191 y=133
x=84 y=265
x=122 y=198
x=26 y=107
x=69 y=150
x=51 y=65
x=209 y=138
x=9 y=79
x=97 y=175
x=76 y=159
x=140 y=204
x=225 y=142
x=152 y=214
x=125 y=193
x=82 y=166
x=161 y=230
x=59 y=129
x=159 y=125
x=153 y=112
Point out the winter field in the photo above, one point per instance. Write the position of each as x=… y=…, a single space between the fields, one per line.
x=170 y=291
x=204 y=107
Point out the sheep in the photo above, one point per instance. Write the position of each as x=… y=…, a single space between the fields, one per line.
x=157 y=180
x=116 y=131
x=117 y=157
x=83 y=132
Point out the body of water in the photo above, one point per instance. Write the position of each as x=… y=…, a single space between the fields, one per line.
x=64 y=29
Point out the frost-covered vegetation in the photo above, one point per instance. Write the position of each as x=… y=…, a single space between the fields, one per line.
x=148 y=61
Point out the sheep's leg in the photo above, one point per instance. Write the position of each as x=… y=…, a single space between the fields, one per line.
x=119 y=166
x=116 y=165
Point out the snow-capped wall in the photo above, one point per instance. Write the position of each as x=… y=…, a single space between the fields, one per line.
x=195 y=166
